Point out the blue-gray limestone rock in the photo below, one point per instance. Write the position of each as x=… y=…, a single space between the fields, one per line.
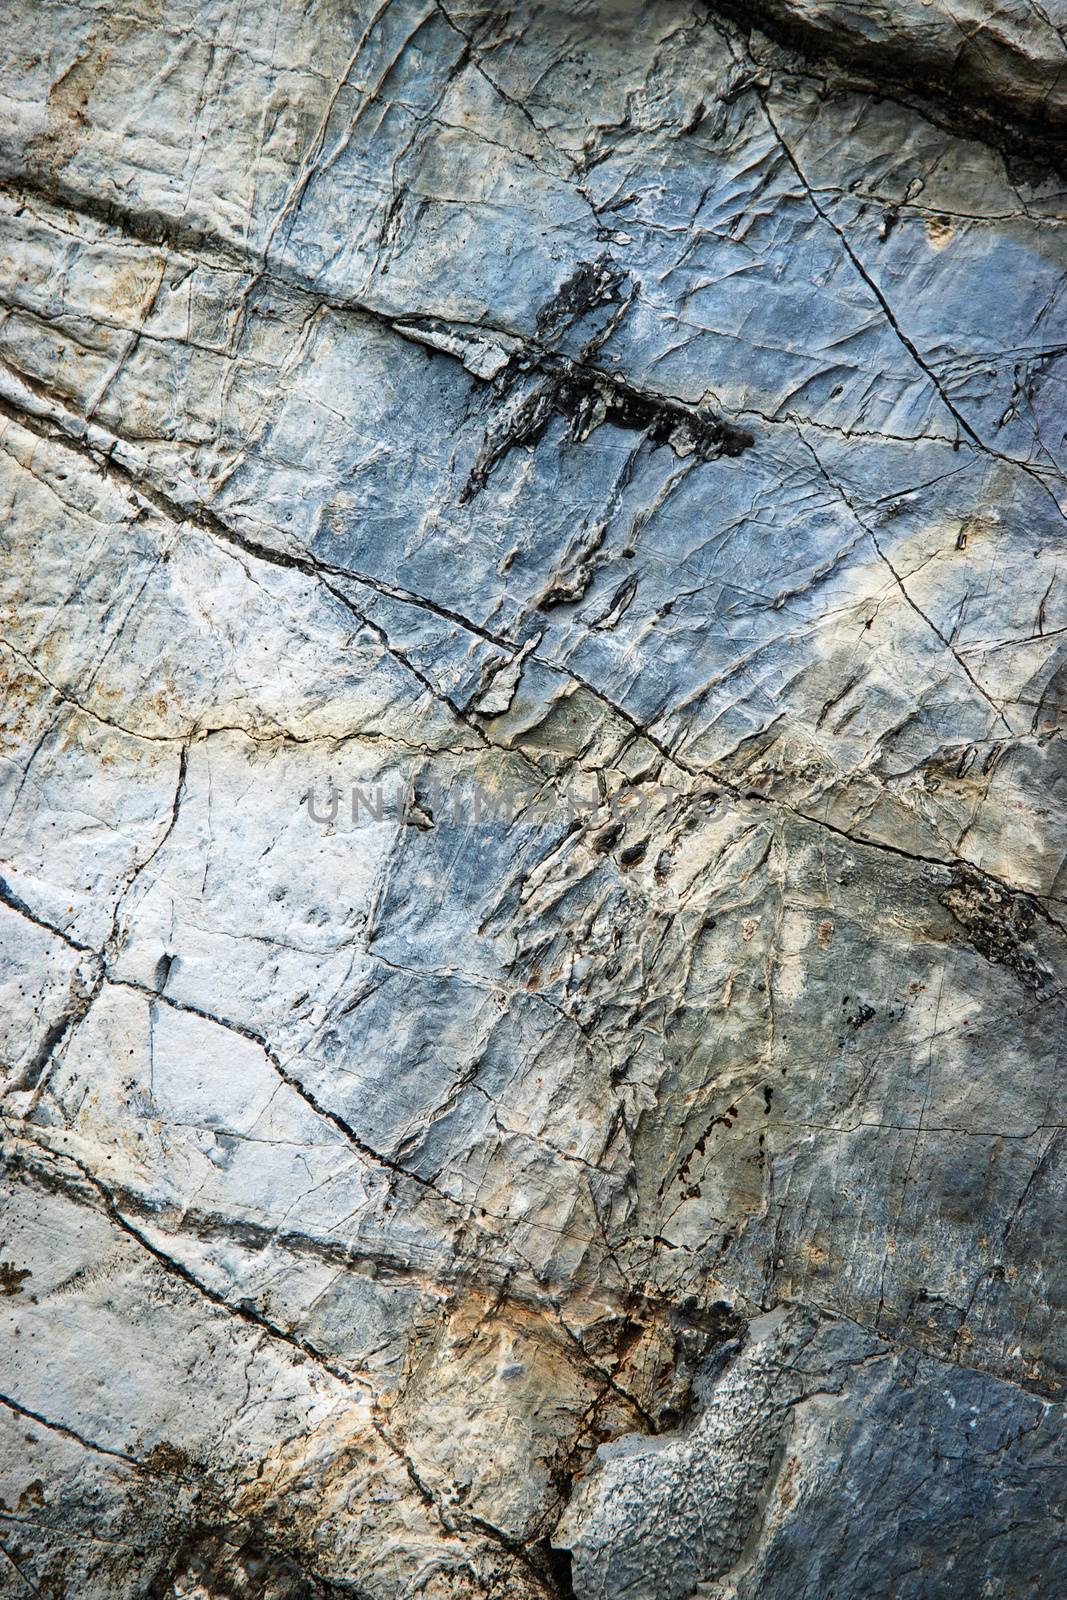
x=532 y=859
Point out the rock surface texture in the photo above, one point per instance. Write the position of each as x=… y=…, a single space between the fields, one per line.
x=532 y=906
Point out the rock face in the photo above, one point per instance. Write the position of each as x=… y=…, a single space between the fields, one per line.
x=532 y=902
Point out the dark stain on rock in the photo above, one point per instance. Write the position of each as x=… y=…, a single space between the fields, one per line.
x=237 y=1564
x=998 y=922
x=860 y=1015
x=633 y=853
x=725 y=1120
x=585 y=399
x=591 y=284
x=12 y=1278
x=607 y=836
x=170 y=1460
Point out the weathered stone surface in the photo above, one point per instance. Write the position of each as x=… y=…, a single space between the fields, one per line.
x=532 y=887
